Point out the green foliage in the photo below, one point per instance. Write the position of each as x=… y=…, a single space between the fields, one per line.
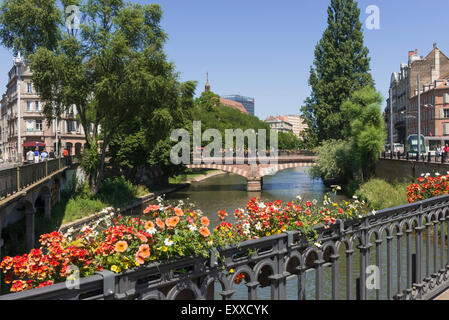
x=335 y=160
x=288 y=141
x=380 y=194
x=214 y=115
x=341 y=66
x=354 y=157
x=26 y=25
x=114 y=72
x=118 y=191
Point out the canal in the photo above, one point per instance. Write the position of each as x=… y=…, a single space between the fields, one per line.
x=228 y=192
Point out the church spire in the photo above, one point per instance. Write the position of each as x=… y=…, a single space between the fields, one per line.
x=207 y=87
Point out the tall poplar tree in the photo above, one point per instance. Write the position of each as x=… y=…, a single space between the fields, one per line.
x=341 y=66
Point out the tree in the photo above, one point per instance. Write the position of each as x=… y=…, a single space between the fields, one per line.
x=366 y=129
x=288 y=141
x=352 y=158
x=341 y=66
x=112 y=71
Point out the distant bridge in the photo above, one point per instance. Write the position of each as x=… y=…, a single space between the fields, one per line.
x=254 y=170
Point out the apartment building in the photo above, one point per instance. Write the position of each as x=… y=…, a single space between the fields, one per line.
x=434 y=112
x=403 y=86
x=36 y=131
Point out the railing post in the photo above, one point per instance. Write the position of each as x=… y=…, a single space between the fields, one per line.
x=357 y=289
x=18 y=178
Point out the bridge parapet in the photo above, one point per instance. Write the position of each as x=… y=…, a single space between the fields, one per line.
x=269 y=262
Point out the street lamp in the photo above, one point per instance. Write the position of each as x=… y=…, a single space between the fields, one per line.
x=18 y=62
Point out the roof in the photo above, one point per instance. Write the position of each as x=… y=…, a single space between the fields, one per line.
x=233 y=104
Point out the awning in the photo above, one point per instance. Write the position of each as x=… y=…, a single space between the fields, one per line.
x=33 y=144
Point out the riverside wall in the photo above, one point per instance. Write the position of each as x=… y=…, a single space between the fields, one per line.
x=406 y=170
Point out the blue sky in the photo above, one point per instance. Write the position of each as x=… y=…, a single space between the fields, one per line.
x=264 y=49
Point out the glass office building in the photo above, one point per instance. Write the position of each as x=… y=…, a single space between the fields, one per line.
x=248 y=103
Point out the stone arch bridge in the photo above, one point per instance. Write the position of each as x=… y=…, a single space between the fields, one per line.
x=254 y=172
x=27 y=190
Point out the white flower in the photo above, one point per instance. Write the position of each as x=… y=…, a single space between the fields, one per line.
x=210 y=243
x=437 y=174
x=314 y=202
x=325 y=203
x=422 y=174
x=84 y=228
x=181 y=203
x=258 y=226
x=299 y=198
x=192 y=227
x=374 y=212
x=151 y=230
x=354 y=197
x=168 y=242
x=262 y=205
x=338 y=188
x=319 y=245
x=427 y=174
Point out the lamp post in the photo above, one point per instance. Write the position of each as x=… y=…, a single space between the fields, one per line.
x=419 y=117
x=18 y=62
x=391 y=124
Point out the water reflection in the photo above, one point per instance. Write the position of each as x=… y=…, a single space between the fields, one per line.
x=228 y=192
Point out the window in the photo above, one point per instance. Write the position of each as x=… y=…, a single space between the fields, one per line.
x=29 y=125
x=446 y=98
x=29 y=87
x=38 y=106
x=29 y=106
x=445 y=113
x=38 y=125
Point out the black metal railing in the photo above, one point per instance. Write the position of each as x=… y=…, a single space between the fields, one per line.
x=397 y=253
x=430 y=157
x=15 y=179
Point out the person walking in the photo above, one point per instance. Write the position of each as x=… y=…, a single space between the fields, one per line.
x=30 y=156
x=36 y=156
x=445 y=150
x=44 y=155
x=438 y=152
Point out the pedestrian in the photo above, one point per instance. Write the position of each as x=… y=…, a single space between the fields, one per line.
x=65 y=153
x=44 y=155
x=438 y=151
x=36 y=155
x=52 y=154
x=30 y=156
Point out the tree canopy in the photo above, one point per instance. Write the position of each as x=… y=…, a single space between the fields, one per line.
x=341 y=66
x=111 y=71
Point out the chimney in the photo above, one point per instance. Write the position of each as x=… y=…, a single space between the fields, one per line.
x=410 y=53
x=435 y=72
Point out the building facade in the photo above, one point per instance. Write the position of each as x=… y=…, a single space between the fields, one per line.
x=297 y=122
x=36 y=132
x=403 y=86
x=247 y=102
x=434 y=113
x=279 y=125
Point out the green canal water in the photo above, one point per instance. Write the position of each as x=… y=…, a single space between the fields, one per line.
x=228 y=192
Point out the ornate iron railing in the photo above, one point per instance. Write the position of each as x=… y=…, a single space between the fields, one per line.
x=403 y=249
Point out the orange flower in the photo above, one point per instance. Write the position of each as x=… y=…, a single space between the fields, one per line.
x=172 y=222
x=142 y=237
x=151 y=208
x=149 y=224
x=205 y=221
x=121 y=246
x=139 y=259
x=144 y=251
x=160 y=224
x=178 y=212
x=204 y=232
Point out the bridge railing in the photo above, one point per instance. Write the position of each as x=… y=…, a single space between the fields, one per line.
x=397 y=253
x=15 y=179
x=425 y=157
